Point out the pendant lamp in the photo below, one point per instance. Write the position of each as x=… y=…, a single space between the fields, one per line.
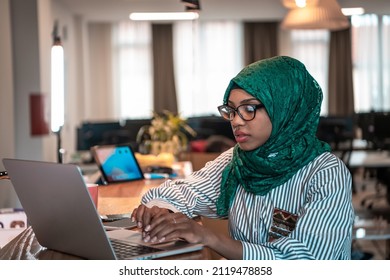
x=314 y=14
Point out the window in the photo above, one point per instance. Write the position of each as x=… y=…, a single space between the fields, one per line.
x=311 y=47
x=371 y=54
x=207 y=56
x=133 y=72
x=386 y=62
x=365 y=59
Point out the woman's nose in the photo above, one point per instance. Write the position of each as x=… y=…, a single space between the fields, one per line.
x=237 y=120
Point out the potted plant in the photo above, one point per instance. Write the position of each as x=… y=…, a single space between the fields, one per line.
x=167 y=133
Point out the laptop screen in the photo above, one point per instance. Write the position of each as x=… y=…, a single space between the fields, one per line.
x=117 y=163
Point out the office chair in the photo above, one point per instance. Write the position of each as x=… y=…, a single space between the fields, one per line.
x=339 y=133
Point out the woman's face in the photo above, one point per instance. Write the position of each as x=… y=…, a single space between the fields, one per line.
x=249 y=134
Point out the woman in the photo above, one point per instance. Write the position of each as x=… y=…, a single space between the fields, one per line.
x=285 y=195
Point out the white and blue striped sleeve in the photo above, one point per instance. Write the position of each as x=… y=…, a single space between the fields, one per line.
x=194 y=195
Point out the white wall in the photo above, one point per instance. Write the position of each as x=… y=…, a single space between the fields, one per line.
x=26 y=66
x=44 y=26
x=7 y=147
x=8 y=197
x=24 y=69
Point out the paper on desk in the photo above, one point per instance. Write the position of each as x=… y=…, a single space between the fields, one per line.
x=120 y=224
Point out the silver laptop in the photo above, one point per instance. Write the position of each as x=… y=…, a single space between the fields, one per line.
x=63 y=216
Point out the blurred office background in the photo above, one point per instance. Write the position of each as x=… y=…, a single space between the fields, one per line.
x=109 y=63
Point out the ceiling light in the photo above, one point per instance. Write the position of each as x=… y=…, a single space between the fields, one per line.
x=292 y=4
x=301 y=3
x=325 y=14
x=352 y=11
x=164 y=16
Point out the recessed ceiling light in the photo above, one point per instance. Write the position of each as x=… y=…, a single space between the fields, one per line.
x=352 y=11
x=164 y=16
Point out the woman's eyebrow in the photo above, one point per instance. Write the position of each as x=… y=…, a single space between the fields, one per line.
x=248 y=100
x=243 y=101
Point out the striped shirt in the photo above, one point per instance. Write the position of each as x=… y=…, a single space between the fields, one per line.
x=319 y=195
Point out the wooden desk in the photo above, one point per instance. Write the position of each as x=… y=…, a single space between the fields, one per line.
x=112 y=199
x=123 y=197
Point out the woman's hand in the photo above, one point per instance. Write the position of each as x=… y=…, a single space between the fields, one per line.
x=171 y=226
x=143 y=215
x=159 y=225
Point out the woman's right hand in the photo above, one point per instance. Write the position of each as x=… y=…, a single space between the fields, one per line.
x=143 y=215
x=159 y=224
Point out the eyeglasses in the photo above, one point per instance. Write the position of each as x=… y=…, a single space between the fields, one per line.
x=247 y=112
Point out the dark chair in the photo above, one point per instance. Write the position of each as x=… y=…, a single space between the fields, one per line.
x=381 y=130
x=339 y=133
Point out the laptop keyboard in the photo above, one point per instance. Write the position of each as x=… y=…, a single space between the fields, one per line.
x=125 y=250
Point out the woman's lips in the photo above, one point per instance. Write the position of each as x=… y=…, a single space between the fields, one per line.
x=241 y=137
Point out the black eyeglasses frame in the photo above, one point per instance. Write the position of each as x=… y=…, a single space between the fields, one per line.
x=236 y=110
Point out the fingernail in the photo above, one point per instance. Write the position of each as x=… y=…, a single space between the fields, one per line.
x=139 y=224
x=154 y=239
x=147 y=238
x=147 y=228
x=161 y=239
x=133 y=219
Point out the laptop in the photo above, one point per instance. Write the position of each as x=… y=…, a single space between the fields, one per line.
x=63 y=216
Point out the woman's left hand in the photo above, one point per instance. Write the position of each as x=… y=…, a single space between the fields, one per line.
x=172 y=226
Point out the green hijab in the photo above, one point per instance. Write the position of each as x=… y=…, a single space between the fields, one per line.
x=292 y=99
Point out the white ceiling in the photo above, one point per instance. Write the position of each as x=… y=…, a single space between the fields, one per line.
x=114 y=10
